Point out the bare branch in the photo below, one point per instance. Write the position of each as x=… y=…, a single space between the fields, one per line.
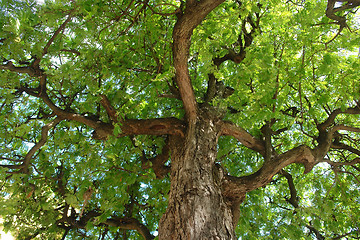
x=351 y=163
x=339 y=145
x=349 y=5
x=76 y=52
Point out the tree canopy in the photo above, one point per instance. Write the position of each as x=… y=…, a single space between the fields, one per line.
x=93 y=91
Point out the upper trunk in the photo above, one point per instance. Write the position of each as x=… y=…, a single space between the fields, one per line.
x=197 y=208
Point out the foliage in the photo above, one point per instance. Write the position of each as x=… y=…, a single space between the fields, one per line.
x=299 y=67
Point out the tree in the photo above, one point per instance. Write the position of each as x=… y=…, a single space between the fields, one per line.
x=204 y=119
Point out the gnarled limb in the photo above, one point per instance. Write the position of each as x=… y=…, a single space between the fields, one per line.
x=327 y=131
x=339 y=20
x=331 y=10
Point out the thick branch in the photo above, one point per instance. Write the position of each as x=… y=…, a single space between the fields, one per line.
x=230 y=129
x=10 y=66
x=234 y=186
x=158 y=126
x=326 y=135
x=330 y=13
x=349 y=5
x=182 y=32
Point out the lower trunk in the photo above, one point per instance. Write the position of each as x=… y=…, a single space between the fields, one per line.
x=197 y=209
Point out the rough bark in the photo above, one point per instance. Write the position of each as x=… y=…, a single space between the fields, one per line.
x=197 y=208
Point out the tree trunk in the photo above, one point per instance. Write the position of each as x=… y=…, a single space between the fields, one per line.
x=197 y=208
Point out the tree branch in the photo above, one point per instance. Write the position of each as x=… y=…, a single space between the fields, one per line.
x=345 y=128
x=182 y=32
x=44 y=134
x=330 y=120
x=10 y=66
x=293 y=200
x=119 y=222
x=325 y=138
x=24 y=167
x=230 y=129
x=130 y=224
x=158 y=162
x=238 y=186
x=336 y=164
x=36 y=63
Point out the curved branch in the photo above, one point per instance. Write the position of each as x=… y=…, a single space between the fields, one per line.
x=326 y=135
x=345 y=128
x=230 y=129
x=119 y=222
x=330 y=13
x=10 y=66
x=194 y=13
x=130 y=224
x=336 y=164
x=24 y=167
x=36 y=63
x=339 y=145
x=158 y=162
x=44 y=134
x=238 y=186
x=330 y=120
x=293 y=200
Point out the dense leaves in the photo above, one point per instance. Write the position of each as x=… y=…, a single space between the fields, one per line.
x=77 y=78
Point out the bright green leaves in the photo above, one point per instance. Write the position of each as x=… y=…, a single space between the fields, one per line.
x=267 y=213
x=292 y=74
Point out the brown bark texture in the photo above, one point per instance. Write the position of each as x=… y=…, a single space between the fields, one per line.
x=197 y=208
